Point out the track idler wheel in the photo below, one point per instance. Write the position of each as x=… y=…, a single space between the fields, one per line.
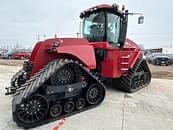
x=80 y=103
x=32 y=110
x=69 y=106
x=56 y=110
x=95 y=94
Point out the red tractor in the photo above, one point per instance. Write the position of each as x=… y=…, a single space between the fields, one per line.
x=64 y=75
x=21 y=55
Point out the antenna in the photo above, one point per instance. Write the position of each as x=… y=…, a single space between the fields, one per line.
x=44 y=36
x=77 y=34
x=38 y=37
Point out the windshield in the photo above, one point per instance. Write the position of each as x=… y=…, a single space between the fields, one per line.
x=94 y=27
x=102 y=26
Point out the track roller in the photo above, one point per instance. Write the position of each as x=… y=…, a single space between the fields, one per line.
x=56 y=110
x=69 y=106
x=80 y=103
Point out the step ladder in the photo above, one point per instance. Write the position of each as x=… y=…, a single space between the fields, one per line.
x=124 y=64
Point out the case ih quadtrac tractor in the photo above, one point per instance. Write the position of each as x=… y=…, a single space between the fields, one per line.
x=64 y=75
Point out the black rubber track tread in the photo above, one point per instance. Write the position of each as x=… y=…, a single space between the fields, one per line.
x=14 y=78
x=48 y=71
x=16 y=75
x=124 y=82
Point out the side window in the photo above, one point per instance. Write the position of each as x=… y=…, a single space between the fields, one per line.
x=113 y=28
x=87 y=27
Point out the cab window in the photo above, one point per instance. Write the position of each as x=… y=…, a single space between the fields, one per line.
x=113 y=28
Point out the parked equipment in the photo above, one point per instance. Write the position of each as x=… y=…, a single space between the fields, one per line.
x=63 y=75
x=21 y=55
x=8 y=54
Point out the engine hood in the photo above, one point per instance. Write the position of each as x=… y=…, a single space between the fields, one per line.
x=49 y=43
x=131 y=44
x=66 y=41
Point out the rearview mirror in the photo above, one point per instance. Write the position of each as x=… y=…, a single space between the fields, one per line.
x=141 y=20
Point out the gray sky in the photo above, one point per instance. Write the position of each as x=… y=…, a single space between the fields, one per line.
x=22 y=20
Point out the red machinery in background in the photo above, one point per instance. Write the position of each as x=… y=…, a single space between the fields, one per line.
x=21 y=55
x=64 y=75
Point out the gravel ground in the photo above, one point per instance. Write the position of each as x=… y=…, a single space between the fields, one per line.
x=162 y=72
x=11 y=62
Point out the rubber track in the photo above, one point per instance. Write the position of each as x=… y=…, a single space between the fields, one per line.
x=125 y=82
x=38 y=80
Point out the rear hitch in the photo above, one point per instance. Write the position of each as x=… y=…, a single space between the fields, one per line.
x=10 y=90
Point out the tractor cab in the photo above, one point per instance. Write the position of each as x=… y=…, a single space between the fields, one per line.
x=105 y=23
x=105 y=27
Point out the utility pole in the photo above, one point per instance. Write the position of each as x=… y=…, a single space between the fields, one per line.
x=38 y=37
x=171 y=44
x=44 y=36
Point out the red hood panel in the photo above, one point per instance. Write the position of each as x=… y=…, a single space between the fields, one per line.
x=131 y=44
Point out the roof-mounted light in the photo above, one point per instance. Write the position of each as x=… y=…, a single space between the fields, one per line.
x=115 y=6
x=88 y=11
x=95 y=8
x=122 y=8
x=82 y=14
x=91 y=10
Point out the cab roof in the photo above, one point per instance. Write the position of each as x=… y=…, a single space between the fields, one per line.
x=101 y=7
